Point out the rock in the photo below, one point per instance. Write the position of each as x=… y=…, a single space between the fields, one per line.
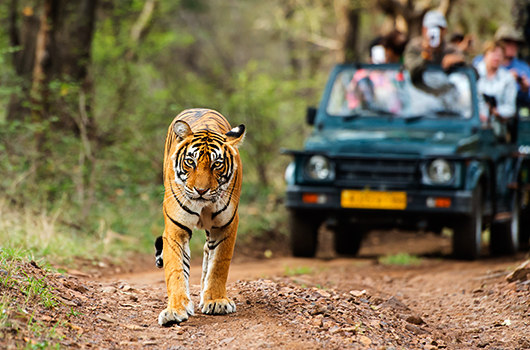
x=430 y=347
x=133 y=327
x=387 y=279
x=324 y=294
x=414 y=319
x=316 y=322
x=365 y=340
x=358 y=293
x=335 y=330
x=328 y=324
x=107 y=289
x=106 y=318
x=226 y=341
x=78 y=273
x=416 y=330
x=350 y=329
x=395 y=304
x=520 y=273
x=318 y=310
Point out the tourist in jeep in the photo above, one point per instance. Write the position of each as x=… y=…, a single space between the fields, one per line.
x=497 y=89
x=512 y=41
x=431 y=48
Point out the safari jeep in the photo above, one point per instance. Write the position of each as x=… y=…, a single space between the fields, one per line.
x=384 y=153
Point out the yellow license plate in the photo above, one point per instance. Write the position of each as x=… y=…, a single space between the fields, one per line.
x=373 y=199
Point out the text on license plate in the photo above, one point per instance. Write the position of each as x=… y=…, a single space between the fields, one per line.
x=373 y=199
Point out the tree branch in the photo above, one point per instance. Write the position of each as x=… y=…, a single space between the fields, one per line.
x=140 y=24
x=14 y=35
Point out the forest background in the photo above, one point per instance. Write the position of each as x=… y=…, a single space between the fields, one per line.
x=89 y=87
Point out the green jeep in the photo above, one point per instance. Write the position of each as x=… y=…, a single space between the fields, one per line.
x=384 y=154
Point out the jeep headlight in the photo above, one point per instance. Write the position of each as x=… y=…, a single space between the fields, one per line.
x=440 y=172
x=289 y=173
x=319 y=168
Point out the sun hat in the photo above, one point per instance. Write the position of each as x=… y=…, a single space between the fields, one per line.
x=508 y=33
x=434 y=19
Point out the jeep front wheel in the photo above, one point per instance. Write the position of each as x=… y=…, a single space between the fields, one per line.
x=303 y=227
x=348 y=238
x=467 y=235
x=505 y=236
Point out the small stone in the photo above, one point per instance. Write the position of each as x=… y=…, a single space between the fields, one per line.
x=365 y=340
x=414 y=319
x=394 y=303
x=358 y=293
x=108 y=289
x=133 y=327
x=317 y=322
x=416 y=330
x=324 y=294
x=226 y=341
x=430 y=347
x=520 y=273
x=106 y=318
x=318 y=310
x=350 y=329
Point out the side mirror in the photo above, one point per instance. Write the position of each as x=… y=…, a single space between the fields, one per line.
x=310 y=115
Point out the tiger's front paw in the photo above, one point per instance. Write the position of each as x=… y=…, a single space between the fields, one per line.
x=220 y=306
x=172 y=316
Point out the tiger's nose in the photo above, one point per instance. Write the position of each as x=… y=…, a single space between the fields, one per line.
x=201 y=191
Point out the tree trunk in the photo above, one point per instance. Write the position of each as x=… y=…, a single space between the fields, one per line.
x=411 y=13
x=347 y=30
x=23 y=59
x=351 y=37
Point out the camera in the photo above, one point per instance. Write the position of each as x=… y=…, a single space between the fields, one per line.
x=434 y=34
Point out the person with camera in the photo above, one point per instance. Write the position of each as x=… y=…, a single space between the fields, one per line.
x=431 y=48
x=512 y=41
x=497 y=89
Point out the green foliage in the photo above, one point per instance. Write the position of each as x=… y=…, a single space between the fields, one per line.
x=37 y=288
x=400 y=259
x=258 y=63
x=299 y=270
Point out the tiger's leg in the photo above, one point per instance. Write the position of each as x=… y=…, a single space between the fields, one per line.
x=218 y=252
x=176 y=254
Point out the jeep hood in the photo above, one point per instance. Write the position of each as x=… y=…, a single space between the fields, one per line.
x=399 y=142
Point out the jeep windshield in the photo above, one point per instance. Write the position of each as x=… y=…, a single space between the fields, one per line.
x=388 y=91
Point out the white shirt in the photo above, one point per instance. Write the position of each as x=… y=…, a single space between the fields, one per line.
x=501 y=85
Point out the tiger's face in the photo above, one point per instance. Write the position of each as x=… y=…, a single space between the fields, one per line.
x=204 y=161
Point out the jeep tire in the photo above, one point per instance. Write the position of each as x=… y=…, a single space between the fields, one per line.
x=348 y=237
x=505 y=236
x=303 y=227
x=467 y=235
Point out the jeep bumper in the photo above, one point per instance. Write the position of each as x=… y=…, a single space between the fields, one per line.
x=420 y=201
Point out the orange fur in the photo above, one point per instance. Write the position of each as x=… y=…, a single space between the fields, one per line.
x=202 y=178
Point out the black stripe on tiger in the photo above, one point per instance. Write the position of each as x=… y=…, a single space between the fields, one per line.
x=159 y=246
x=213 y=245
x=228 y=223
x=187 y=209
x=185 y=256
x=229 y=199
x=237 y=131
x=185 y=228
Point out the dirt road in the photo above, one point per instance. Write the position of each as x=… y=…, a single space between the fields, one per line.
x=291 y=303
x=288 y=303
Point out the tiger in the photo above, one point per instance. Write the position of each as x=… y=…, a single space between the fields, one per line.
x=202 y=175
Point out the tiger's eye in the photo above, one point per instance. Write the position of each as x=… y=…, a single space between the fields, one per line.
x=189 y=162
x=217 y=164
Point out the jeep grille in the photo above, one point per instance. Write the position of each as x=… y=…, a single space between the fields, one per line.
x=391 y=173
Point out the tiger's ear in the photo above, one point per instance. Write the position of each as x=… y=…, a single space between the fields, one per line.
x=182 y=129
x=235 y=136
